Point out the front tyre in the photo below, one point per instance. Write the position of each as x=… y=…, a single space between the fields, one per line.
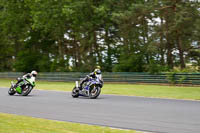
x=11 y=91
x=26 y=90
x=75 y=92
x=95 y=92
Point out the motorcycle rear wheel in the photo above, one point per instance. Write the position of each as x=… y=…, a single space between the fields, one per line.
x=75 y=92
x=11 y=91
x=26 y=91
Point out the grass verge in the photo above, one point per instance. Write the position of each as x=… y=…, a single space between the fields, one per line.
x=156 y=91
x=23 y=124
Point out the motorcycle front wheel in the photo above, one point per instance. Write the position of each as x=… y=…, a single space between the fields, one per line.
x=26 y=90
x=95 y=92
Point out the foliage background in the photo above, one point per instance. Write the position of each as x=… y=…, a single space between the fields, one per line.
x=77 y=35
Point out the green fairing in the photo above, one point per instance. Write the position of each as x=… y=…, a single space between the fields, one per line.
x=19 y=90
x=33 y=84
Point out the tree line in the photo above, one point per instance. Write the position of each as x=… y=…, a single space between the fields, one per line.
x=117 y=35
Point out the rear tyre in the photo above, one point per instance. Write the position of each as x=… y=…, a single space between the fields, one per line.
x=26 y=90
x=75 y=92
x=95 y=92
x=11 y=91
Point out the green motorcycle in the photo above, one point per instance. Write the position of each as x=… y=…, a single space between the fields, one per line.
x=23 y=88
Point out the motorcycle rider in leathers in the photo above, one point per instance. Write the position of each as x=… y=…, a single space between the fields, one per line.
x=95 y=74
x=28 y=75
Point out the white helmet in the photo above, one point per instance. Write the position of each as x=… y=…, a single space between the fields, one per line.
x=97 y=71
x=34 y=73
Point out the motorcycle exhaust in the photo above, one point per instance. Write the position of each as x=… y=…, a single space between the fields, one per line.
x=76 y=84
x=12 y=83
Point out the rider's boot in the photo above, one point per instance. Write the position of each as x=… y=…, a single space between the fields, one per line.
x=18 y=81
x=15 y=85
x=80 y=87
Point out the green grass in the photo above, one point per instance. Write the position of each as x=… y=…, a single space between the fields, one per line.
x=157 y=91
x=23 y=124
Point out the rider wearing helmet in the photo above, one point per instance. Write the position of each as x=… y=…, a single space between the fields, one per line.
x=28 y=75
x=95 y=74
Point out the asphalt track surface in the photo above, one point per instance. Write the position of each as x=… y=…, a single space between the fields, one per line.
x=127 y=112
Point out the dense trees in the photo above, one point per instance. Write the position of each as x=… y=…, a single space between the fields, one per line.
x=77 y=35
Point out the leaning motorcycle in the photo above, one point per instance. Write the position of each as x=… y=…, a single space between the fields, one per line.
x=91 y=89
x=22 y=88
